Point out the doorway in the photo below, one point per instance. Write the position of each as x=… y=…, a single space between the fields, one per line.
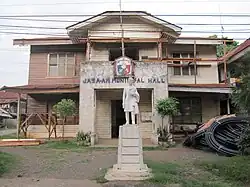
x=118 y=117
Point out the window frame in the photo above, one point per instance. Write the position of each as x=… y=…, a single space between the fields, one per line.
x=182 y=62
x=193 y=113
x=57 y=64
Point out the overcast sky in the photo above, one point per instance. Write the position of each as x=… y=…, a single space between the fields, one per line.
x=15 y=59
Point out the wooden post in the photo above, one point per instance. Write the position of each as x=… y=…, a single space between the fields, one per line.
x=88 y=51
x=195 y=65
x=160 y=50
x=18 y=115
x=49 y=124
x=225 y=62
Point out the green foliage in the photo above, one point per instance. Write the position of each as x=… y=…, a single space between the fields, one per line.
x=233 y=169
x=241 y=93
x=83 y=139
x=244 y=143
x=66 y=107
x=6 y=162
x=167 y=106
x=220 y=48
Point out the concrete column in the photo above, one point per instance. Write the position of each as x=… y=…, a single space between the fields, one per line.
x=86 y=109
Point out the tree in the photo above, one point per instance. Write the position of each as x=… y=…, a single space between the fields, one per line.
x=241 y=92
x=64 y=108
x=241 y=97
x=229 y=46
x=167 y=107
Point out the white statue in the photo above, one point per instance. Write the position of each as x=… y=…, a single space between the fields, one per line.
x=130 y=102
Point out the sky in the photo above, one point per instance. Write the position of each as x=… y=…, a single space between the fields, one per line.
x=14 y=64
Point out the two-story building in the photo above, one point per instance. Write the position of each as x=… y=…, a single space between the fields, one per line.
x=86 y=66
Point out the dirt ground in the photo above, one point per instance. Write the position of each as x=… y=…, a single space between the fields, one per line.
x=42 y=163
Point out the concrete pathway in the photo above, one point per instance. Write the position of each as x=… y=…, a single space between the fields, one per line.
x=7 y=131
x=46 y=182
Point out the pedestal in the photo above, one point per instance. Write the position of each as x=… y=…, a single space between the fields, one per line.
x=130 y=165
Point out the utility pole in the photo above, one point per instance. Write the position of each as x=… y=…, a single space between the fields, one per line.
x=122 y=31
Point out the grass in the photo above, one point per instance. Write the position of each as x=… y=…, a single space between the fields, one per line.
x=7 y=161
x=185 y=176
x=235 y=169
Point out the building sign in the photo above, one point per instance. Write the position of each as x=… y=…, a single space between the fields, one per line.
x=122 y=80
x=123 y=67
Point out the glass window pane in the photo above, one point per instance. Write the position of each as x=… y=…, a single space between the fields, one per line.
x=184 y=55
x=192 y=70
x=62 y=59
x=70 y=65
x=53 y=71
x=185 y=70
x=53 y=59
x=177 y=70
x=176 y=55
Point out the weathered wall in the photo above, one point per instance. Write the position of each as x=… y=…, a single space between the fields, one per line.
x=38 y=70
x=131 y=26
x=102 y=70
x=103 y=120
x=100 y=52
x=210 y=104
x=205 y=75
x=40 y=131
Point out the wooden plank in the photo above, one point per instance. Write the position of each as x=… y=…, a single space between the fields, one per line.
x=182 y=59
x=18 y=114
x=19 y=142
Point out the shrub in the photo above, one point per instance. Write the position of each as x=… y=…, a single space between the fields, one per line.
x=83 y=139
x=244 y=143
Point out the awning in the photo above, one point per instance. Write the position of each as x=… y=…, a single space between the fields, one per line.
x=40 y=89
x=208 y=88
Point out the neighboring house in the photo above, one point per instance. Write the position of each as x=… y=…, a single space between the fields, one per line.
x=9 y=100
x=85 y=67
x=4 y=115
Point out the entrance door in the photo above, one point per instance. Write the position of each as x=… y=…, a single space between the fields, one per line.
x=118 y=117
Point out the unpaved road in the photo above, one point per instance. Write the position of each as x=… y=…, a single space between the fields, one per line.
x=45 y=167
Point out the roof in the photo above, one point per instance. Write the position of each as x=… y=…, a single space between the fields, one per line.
x=125 y=13
x=9 y=96
x=222 y=85
x=237 y=50
x=41 y=88
x=201 y=88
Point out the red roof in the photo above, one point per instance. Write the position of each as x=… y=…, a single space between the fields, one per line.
x=201 y=85
x=9 y=97
x=237 y=50
x=26 y=88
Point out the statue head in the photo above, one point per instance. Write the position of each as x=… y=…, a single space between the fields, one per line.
x=131 y=81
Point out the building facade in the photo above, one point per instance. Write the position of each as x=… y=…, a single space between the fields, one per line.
x=84 y=67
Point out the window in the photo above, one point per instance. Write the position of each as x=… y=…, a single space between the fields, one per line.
x=184 y=70
x=61 y=65
x=190 y=111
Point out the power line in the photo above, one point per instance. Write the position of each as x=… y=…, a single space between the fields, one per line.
x=60 y=28
x=23 y=27
x=126 y=2
x=158 y=15
x=45 y=20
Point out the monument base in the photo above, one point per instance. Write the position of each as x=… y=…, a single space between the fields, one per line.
x=130 y=164
x=115 y=174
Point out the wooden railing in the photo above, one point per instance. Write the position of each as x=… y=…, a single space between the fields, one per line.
x=50 y=121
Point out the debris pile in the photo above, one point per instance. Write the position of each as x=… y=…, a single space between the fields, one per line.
x=220 y=134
